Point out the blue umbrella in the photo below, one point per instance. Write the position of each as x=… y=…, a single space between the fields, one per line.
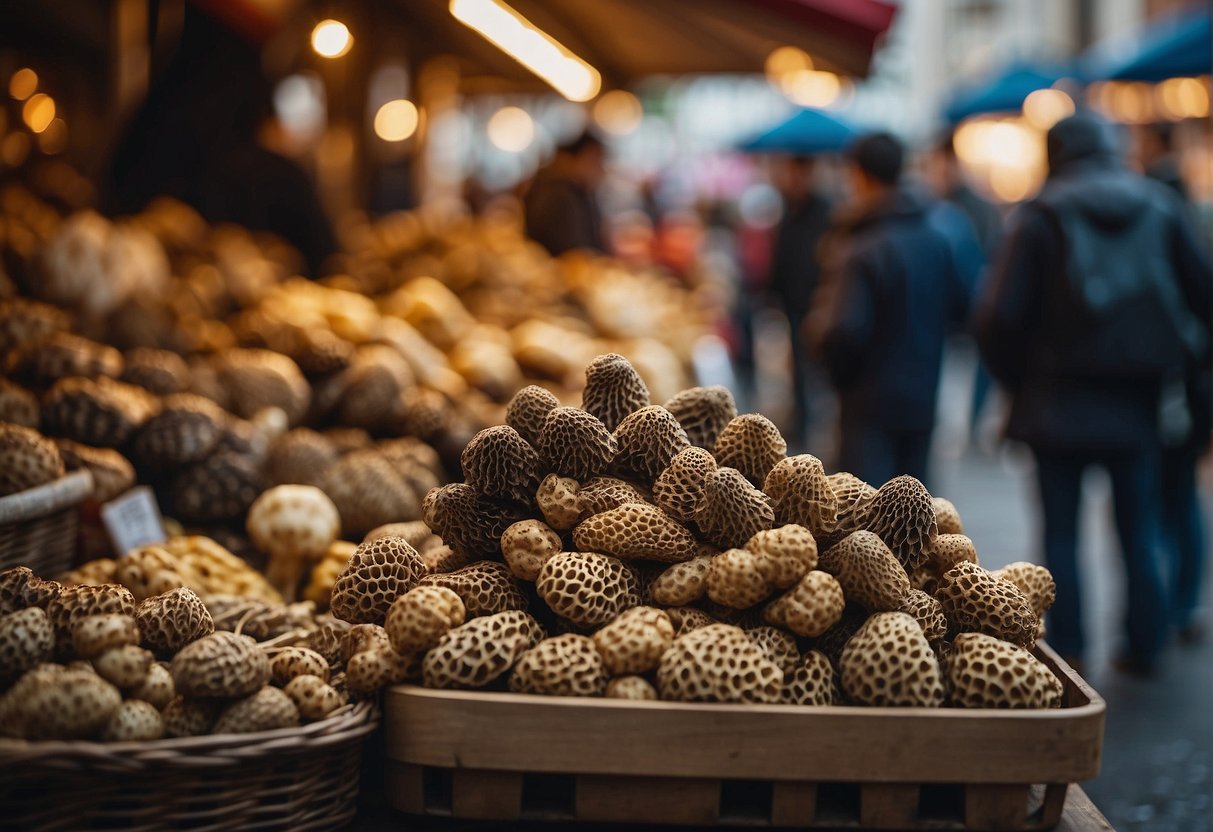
x=807 y=132
x=1003 y=93
x=1180 y=44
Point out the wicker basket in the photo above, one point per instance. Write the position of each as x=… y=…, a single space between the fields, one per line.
x=38 y=526
x=302 y=778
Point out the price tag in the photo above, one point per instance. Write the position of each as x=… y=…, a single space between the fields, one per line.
x=133 y=520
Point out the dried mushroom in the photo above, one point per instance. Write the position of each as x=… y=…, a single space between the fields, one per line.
x=27 y=459
x=485 y=587
x=731 y=510
x=974 y=600
x=985 y=672
x=613 y=390
x=587 y=588
x=801 y=494
x=753 y=445
x=379 y=572
x=868 y=572
x=636 y=531
x=528 y=409
x=564 y=665
x=903 y=516
x=481 y=651
x=889 y=662
x=220 y=666
x=574 y=443
x=422 y=616
x=526 y=546
x=635 y=641
x=703 y=413
x=295 y=525
x=469 y=523
x=810 y=608
x=718 y=663
x=679 y=488
x=648 y=439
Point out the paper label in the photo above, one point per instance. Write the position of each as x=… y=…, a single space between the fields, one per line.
x=133 y=520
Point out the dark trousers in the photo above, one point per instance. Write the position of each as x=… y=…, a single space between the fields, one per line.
x=1135 y=490
x=1183 y=531
x=800 y=379
x=876 y=455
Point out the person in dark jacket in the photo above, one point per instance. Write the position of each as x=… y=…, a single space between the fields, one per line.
x=1096 y=306
x=794 y=271
x=891 y=293
x=561 y=204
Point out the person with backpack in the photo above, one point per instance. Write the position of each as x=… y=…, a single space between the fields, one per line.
x=1096 y=311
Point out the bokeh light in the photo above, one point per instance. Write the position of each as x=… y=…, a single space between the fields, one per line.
x=53 y=140
x=23 y=84
x=396 y=120
x=1044 y=108
x=784 y=61
x=1180 y=98
x=511 y=129
x=38 y=112
x=812 y=87
x=618 y=112
x=331 y=39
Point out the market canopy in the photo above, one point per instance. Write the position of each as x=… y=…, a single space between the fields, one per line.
x=1177 y=45
x=628 y=40
x=1002 y=93
x=807 y=132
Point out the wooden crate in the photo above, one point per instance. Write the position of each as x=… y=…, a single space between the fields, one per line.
x=500 y=756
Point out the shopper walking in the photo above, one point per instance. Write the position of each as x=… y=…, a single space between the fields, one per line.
x=561 y=203
x=1097 y=306
x=795 y=271
x=890 y=293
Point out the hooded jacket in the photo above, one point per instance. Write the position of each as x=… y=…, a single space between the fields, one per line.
x=1099 y=296
x=891 y=295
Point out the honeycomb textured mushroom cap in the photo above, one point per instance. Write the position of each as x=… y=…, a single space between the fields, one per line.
x=635 y=641
x=362 y=637
x=468 y=522
x=735 y=579
x=647 y=440
x=852 y=496
x=974 y=600
x=903 y=515
x=889 y=662
x=731 y=510
x=947 y=550
x=574 y=443
x=587 y=588
x=300 y=456
x=292 y=662
x=599 y=494
x=378 y=573
x=156 y=689
x=295 y=525
x=485 y=587
x=947 y=516
x=682 y=583
x=378 y=667
x=18 y=406
x=415 y=533
x=76 y=602
x=102 y=412
x=564 y=665
x=187 y=428
x=780 y=646
x=833 y=640
x=442 y=558
x=266 y=710
x=785 y=554
x=801 y=493
x=811 y=682
x=94 y=634
x=147 y=571
x=21 y=588
x=368 y=492
x=313 y=696
x=1033 y=580
x=61 y=704
x=174 y=619
x=928 y=612
x=26 y=639
x=23 y=320
x=613 y=390
x=57 y=355
x=113 y=473
x=481 y=651
x=222 y=665
x=528 y=409
x=718 y=663
x=636 y=531
x=216 y=490
x=158 y=371
x=326 y=639
x=557 y=501
x=679 y=488
x=986 y=672
x=500 y=464
x=27 y=459
x=753 y=445
x=686 y=619
x=189 y=717
x=126 y=666
x=703 y=413
x=636 y=688
x=422 y=616
x=809 y=608
x=134 y=721
x=526 y=546
x=256 y=379
x=868 y=572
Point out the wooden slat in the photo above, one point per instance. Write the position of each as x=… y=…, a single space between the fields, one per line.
x=405 y=787
x=996 y=807
x=486 y=795
x=888 y=805
x=647 y=800
x=1080 y=814
x=793 y=804
x=1054 y=803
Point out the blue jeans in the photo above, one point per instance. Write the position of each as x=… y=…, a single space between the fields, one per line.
x=1183 y=531
x=876 y=455
x=1136 y=502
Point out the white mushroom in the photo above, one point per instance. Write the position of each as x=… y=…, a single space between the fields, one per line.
x=294 y=525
